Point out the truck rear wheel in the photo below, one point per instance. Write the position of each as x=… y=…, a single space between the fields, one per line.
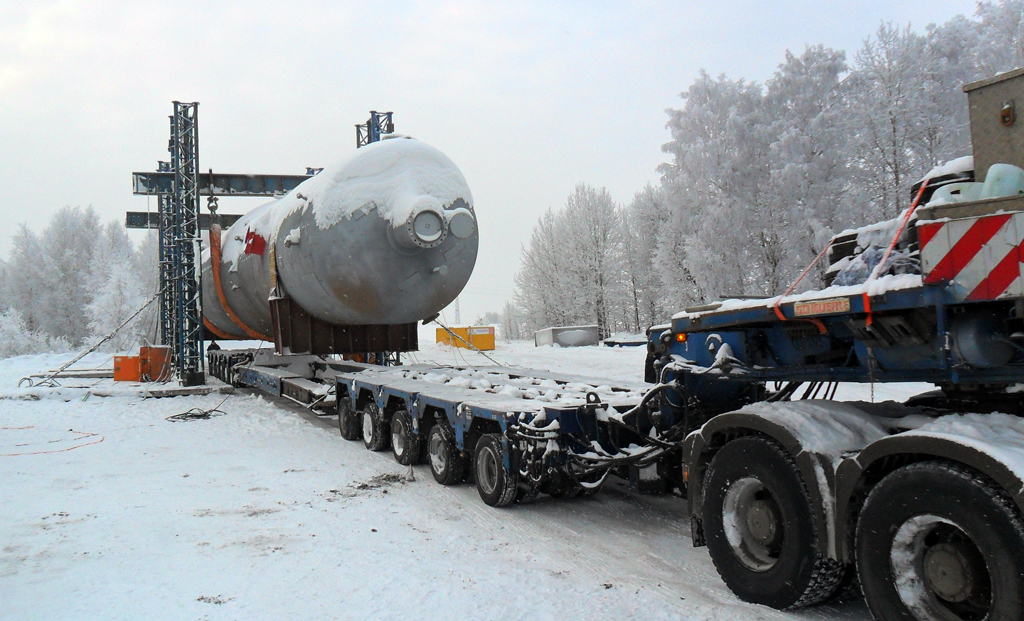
x=496 y=484
x=348 y=420
x=405 y=443
x=760 y=528
x=446 y=463
x=375 y=429
x=935 y=541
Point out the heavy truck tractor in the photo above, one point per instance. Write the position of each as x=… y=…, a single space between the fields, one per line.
x=796 y=495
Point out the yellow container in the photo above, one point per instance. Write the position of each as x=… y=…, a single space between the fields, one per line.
x=481 y=337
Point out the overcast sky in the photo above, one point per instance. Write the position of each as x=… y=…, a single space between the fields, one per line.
x=528 y=98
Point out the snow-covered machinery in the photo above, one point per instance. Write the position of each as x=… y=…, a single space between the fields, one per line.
x=350 y=259
x=795 y=495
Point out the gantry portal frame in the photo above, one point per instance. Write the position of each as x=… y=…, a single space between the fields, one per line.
x=179 y=186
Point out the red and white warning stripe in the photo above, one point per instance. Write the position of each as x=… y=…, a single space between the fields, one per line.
x=980 y=256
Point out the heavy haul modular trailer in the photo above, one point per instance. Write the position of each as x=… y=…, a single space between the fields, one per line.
x=515 y=432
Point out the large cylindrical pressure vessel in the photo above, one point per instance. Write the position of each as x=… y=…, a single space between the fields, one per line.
x=388 y=236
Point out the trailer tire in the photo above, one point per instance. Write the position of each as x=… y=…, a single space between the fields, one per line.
x=405 y=442
x=760 y=528
x=497 y=485
x=376 y=435
x=348 y=421
x=954 y=552
x=446 y=462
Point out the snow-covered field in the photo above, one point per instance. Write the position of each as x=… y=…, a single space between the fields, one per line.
x=110 y=511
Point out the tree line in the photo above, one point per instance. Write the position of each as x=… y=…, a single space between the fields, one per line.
x=74 y=284
x=761 y=176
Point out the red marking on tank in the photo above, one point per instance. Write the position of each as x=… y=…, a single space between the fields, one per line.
x=969 y=245
x=1001 y=277
x=255 y=243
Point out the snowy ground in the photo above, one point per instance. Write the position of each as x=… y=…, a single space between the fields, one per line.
x=113 y=512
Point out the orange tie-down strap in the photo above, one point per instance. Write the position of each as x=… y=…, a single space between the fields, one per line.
x=215 y=268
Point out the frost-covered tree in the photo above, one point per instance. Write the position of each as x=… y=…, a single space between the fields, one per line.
x=642 y=221
x=17 y=339
x=761 y=177
x=123 y=280
x=888 y=117
x=717 y=175
x=513 y=327
x=1000 y=44
x=5 y=286
x=120 y=296
x=591 y=230
x=571 y=272
x=71 y=240
x=807 y=191
x=542 y=291
x=490 y=318
x=112 y=247
x=28 y=282
x=77 y=282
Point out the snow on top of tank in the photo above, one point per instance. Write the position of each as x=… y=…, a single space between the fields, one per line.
x=395 y=176
x=952 y=167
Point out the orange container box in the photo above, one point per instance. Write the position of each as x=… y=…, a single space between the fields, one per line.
x=127 y=368
x=155 y=363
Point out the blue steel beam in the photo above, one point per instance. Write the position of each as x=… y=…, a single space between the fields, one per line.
x=219 y=184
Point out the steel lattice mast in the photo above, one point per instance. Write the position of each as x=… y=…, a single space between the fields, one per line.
x=167 y=226
x=186 y=244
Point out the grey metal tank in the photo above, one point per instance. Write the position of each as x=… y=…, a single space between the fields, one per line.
x=387 y=236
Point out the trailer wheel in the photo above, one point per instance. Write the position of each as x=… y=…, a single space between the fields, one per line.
x=760 y=528
x=375 y=429
x=446 y=464
x=348 y=421
x=937 y=541
x=405 y=443
x=496 y=484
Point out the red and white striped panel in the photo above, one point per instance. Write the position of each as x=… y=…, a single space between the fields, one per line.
x=980 y=256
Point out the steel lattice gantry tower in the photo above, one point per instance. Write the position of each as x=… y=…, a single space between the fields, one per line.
x=377 y=125
x=185 y=245
x=177 y=185
x=167 y=231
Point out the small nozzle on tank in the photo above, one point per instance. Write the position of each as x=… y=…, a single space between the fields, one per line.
x=425 y=228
